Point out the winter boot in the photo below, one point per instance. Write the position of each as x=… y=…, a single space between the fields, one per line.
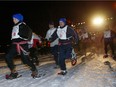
x=64 y=72
x=34 y=74
x=12 y=75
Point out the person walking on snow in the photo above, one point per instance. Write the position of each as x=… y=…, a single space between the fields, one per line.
x=21 y=34
x=33 y=47
x=65 y=34
x=108 y=36
x=85 y=40
x=53 y=44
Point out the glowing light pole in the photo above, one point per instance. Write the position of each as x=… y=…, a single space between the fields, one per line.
x=98 y=21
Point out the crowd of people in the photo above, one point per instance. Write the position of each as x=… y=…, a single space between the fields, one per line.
x=60 y=41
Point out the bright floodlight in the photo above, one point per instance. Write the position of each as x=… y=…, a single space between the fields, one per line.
x=98 y=21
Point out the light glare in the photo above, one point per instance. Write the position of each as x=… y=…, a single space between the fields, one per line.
x=98 y=21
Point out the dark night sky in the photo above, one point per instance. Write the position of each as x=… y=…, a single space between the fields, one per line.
x=38 y=13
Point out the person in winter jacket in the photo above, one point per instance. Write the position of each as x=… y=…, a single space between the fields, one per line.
x=108 y=36
x=85 y=41
x=54 y=44
x=33 y=48
x=21 y=34
x=65 y=34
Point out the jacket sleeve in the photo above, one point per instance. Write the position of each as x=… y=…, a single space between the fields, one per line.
x=47 y=35
x=54 y=36
x=74 y=34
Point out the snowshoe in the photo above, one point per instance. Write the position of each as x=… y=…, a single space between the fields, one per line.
x=12 y=76
x=105 y=56
x=64 y=72
x=34 y=74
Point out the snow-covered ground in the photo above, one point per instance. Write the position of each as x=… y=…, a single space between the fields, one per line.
x=90 y=73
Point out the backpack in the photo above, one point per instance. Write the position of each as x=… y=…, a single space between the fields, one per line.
x=29 y=33
x=25 y=31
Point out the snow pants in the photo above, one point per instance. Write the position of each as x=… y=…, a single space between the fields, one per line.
x=64 y=53
x=25 y=58
x=108 y=41
x=54 y=51
x=33 y=55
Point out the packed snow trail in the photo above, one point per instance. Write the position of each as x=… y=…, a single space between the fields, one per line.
x=90 y=73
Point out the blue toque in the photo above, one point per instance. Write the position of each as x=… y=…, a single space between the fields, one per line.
x=18 y=16
x=63 y=20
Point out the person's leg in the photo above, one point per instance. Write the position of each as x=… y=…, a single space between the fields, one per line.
x=9 y=58
x=33 y=55
x=62 y=56
x=26 y=60
x=112 y=48
x=68 y=49
x=70 y=53
x=54 y=51
x=105 y=47
x=9 y=61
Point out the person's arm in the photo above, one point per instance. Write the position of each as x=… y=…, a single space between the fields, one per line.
x=47 y=36
x=74 y=34
x=54 y=36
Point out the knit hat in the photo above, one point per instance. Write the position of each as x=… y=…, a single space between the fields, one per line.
x=18 y=16
x=63 y=20
x=51 y=23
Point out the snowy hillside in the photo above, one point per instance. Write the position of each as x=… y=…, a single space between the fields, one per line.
x=90 y=73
